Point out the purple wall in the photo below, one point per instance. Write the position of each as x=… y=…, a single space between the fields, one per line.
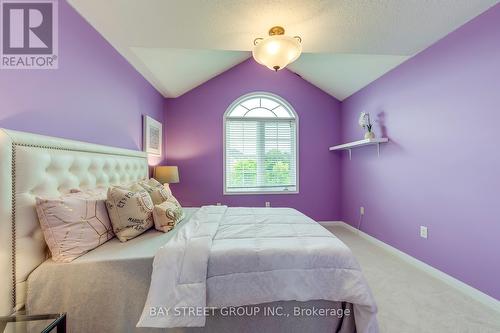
x=194 y=140
x=442 y=115
x=94 y=96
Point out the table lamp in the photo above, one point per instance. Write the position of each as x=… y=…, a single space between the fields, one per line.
x=166 y=174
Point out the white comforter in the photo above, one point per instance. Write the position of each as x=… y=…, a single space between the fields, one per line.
x=239 y=256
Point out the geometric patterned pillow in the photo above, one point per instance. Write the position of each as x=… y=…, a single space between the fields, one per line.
x=74 y=223
x=130 y=210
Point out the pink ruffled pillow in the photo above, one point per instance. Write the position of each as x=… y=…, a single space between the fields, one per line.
x=74 y=223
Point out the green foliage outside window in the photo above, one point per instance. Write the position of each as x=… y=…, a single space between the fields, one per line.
x=244 y=173
x=276 y=170
x=277 y=167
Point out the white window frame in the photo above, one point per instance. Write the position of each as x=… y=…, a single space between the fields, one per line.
x=282 y=101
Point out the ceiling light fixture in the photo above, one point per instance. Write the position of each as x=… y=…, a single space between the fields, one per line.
x=276 y=51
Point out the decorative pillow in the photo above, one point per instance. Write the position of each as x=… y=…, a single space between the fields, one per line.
x=167 y=189
x=156 y=190
x=167 y=214
x=130 y=210
x=74 y=223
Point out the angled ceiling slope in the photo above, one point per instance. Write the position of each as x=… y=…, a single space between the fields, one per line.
x=178 y=44
x=180 y=70
x=341 y=75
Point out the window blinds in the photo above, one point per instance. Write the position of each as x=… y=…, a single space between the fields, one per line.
x=260 y=155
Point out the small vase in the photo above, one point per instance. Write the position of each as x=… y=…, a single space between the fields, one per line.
x=369 y=135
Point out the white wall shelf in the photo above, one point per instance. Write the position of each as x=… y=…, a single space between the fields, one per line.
x=361 y=143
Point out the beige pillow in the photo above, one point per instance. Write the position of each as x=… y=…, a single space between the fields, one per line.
x=156 y=190
x=130 y=210
x=74 y=223
x=167 y=214
x=168 y=189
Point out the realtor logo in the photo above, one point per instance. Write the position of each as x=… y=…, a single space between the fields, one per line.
x=29 y=34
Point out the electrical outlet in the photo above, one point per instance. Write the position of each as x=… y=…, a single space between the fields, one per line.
x=423 y=231
x=362 y=210
x=268 y=204
x=219 y=204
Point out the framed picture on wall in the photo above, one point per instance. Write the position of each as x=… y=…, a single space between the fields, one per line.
x=152 y=136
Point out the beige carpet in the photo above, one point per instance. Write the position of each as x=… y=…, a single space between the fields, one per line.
x=410 y=300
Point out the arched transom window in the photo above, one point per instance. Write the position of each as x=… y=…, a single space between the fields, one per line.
x=260 y=146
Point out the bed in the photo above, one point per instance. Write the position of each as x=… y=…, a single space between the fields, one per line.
x=107 y=288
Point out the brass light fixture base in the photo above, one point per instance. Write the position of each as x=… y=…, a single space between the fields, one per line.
x=277 y=30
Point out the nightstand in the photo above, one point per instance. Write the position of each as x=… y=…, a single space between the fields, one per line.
x=43 y=323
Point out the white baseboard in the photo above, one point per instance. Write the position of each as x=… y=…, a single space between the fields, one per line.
x=449 y=280
x=334 y=223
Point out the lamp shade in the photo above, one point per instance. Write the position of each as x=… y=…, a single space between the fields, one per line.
x=166 y=174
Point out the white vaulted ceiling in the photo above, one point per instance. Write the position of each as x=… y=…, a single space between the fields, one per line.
x=179 y=44
x=180 y=70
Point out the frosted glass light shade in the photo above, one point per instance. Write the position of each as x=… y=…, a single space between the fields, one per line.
x=277 y=51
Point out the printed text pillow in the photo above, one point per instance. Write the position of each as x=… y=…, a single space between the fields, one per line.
x=167 y=214
x=130 y=210
x=156 y=190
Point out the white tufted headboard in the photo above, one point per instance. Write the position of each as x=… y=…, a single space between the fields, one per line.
x=33 y=165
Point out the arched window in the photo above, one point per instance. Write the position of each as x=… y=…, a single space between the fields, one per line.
x=260 y=145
